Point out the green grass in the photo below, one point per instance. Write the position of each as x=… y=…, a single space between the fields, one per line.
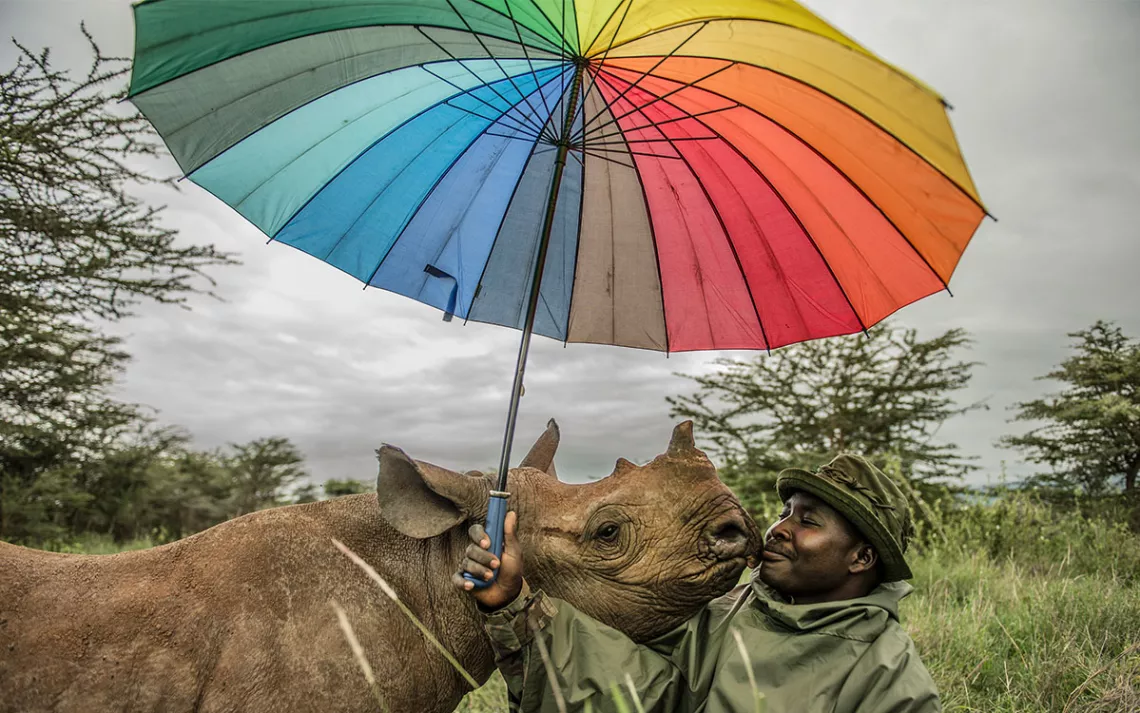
x=1022 y=608
x=998 y=636
x=91 y=544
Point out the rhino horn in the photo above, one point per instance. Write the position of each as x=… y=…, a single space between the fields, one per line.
x=682 y=442
x=541 y=454
x=622 y=465
x=422 y=500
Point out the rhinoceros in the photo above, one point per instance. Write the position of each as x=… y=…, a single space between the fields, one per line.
x=239 y=617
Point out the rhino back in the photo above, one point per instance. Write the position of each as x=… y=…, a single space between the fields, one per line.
x=79 y=630
x=235 y=618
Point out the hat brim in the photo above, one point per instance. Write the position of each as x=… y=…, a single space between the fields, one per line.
x=890 y=553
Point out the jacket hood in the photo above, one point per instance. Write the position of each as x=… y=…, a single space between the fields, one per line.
x=863 y=618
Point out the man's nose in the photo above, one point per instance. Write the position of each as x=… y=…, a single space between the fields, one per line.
x=778 y=531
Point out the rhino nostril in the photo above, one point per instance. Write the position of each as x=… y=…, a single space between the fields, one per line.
x=727 y=536
x=729 y=533
x=728 y=540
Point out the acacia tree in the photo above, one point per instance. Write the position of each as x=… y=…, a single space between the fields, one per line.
x=883 y=394
x=1091 y=436
x=75 y=246
x=338 y=488
x=262 y=471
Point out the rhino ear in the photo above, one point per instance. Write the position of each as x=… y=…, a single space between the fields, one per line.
x=541 y=454
x=422 y=500
x=682 y=441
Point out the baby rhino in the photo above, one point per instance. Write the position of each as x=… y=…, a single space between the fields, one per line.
x=238 y=618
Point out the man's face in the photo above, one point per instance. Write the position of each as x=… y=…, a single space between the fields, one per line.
x=810 y=553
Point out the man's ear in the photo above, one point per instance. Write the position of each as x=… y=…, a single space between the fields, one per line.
x=864 y=559
x=422 y=500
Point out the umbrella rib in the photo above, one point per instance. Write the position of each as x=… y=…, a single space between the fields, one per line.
x=596 y=140
x=841 y=172
x=562 y=33
x=481 y=100
x=529 y=63
x=525 y=130
x=788 y=208
x=605 y=55
x=602 y=29
x=651 y=141
x=439 y=180
x=495 y=59
x=562 y=49
x=592 y=151
x=605 y=158
x=487 y=84
x=675 y=50
x=725 y=230
x=614 y=120
x=524 y=136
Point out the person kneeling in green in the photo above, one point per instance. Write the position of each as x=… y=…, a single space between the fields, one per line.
x=816 y=629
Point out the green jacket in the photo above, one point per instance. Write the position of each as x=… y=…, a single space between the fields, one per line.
x=838 y=657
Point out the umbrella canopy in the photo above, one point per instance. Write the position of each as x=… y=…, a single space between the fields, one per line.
x=670 y=175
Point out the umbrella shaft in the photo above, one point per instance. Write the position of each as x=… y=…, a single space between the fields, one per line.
x=536 y=283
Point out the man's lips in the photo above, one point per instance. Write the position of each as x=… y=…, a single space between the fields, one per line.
x=772 y=556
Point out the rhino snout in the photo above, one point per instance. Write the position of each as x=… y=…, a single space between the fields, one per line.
x=729 y=538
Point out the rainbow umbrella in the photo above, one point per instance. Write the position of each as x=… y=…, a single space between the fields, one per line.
x=662 y=174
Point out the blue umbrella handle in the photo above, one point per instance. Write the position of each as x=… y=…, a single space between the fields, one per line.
x=496 y=517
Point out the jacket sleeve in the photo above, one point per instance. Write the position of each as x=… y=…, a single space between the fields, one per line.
x=891 y=678
x=586 y=660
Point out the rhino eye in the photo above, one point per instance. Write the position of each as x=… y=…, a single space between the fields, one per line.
x=609 y=532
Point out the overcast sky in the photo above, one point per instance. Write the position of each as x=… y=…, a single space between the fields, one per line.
x=1047 y=109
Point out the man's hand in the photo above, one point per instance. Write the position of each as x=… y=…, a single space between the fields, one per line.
x=480 y=563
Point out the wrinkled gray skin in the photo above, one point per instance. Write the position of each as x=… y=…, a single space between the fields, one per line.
x=238 y=618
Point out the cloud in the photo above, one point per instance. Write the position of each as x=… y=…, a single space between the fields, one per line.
x=1046 y=107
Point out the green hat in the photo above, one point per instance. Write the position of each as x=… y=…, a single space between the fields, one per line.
x=868 y=498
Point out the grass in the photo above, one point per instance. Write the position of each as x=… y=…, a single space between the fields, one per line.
x=999 y=636
x=1024 y=608
x=92 y=544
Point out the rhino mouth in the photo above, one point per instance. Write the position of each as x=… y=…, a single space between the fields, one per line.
x=720 y=573
x=729 y=569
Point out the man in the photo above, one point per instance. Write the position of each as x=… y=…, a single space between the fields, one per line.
x=815 y=630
